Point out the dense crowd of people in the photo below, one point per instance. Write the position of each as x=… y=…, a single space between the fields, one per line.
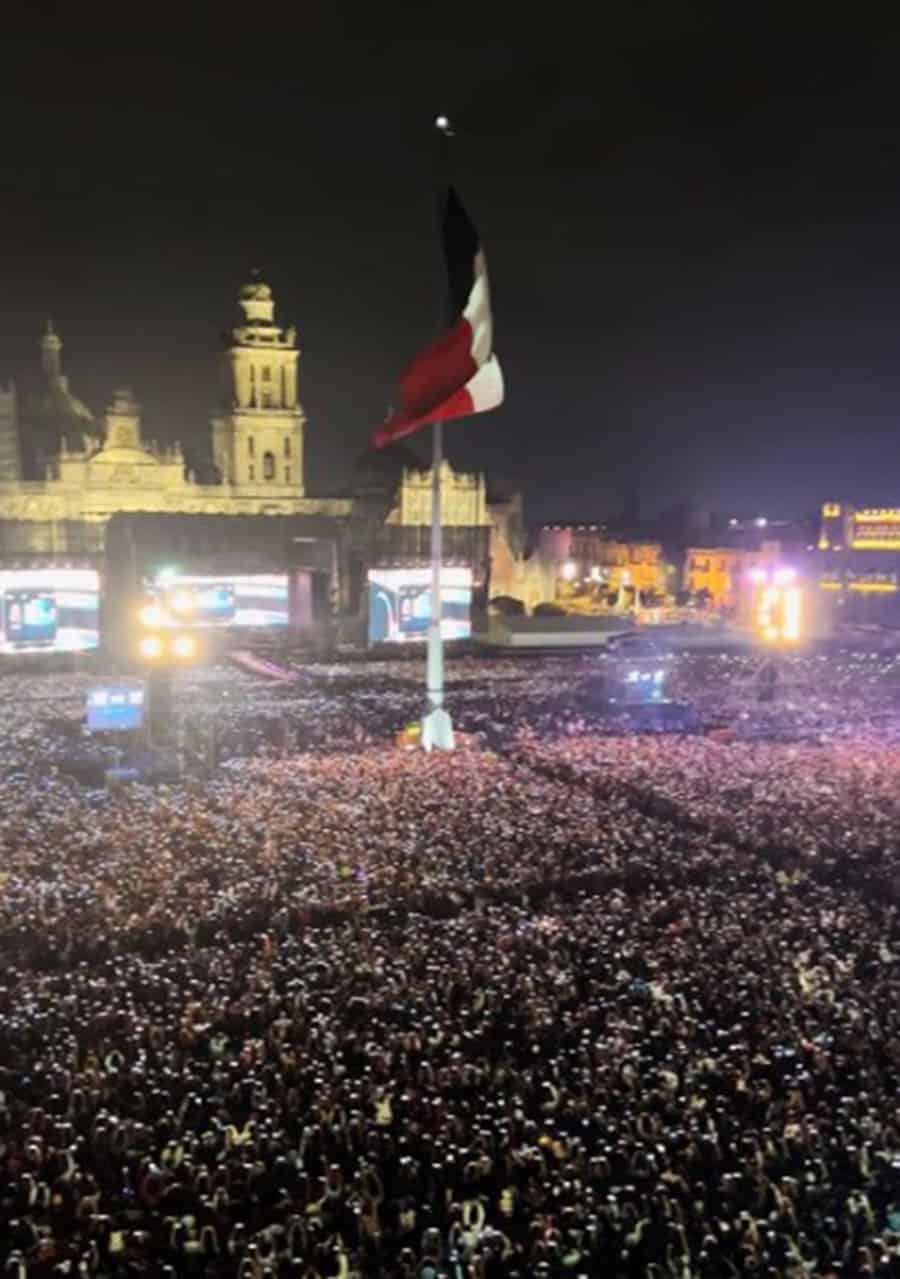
x=566 y=1002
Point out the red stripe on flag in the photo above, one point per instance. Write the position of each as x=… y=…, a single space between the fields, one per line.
x=399 y=425
x=439 y=370
x=433 y=386
x=483 y=391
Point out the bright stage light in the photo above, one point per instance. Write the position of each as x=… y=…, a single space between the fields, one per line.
x=168 y=574
x=758 y=575
x=569 y=571
x=778 y=608
x=150 y=647
x=792 y=613
x=150 y=615
x=182 y=601
x=184 y=646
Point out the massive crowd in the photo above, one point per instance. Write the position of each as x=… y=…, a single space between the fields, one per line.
x=564 y=1003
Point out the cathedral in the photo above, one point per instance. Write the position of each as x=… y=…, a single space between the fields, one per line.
x=66 y=472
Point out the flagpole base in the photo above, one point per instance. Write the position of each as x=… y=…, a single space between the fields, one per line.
x=437 y=731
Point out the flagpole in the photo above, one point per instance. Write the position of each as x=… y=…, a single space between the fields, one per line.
x=437 y=728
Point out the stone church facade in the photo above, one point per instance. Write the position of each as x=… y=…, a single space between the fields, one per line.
x=64 y=473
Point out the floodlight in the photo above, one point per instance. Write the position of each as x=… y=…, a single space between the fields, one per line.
x=150 y=615
x=184 y=646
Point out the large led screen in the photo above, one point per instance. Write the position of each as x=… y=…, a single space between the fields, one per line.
x=223 y=601
x=400 y=604
x=49 y=610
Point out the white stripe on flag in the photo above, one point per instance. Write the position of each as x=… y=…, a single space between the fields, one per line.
x=478 y=313
x=486 y=387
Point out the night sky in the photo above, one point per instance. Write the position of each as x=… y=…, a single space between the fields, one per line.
x=692 y=224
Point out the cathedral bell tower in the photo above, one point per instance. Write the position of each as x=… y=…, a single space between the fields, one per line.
x=258 y=446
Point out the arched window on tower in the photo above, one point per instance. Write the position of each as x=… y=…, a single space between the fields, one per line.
x=251 y=446
x=268 y=466
x=287 y=446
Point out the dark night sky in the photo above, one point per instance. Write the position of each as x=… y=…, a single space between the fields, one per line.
x=692 y=222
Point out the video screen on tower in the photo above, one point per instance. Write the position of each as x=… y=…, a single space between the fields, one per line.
x=221 y=601
x=400 y=604
x=49 y=610
x=117 y=707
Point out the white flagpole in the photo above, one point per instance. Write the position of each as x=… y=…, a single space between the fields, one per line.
x=437 y=729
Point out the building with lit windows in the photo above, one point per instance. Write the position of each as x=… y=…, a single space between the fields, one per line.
x=859 y=549
x=719 y=572
x=589 y=553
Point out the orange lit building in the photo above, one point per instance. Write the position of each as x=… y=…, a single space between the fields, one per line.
x=584 y=553
x=719 y=571
x=637 y=564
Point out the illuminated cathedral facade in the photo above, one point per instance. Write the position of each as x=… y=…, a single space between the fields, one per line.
x=64 y=472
